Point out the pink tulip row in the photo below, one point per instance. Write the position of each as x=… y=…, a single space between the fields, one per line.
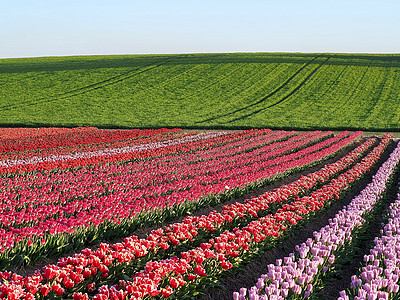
x=93 y=207
x=294 y=276
x=174 y=274
x=139 y=250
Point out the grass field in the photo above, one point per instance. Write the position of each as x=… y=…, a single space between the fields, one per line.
x=299 y=91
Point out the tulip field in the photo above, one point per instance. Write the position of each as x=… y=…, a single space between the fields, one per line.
x=89 y=213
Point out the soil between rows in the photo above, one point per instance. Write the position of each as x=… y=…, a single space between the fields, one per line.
x=142 y=232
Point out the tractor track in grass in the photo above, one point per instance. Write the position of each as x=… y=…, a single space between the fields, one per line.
x=287 y=81
x=352 y=92
x=142 y=232
x=247 y=275
x=375 y=99
x=299 y=86
x=85 y=89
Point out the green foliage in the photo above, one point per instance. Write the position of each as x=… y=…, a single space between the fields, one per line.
x=276 y=90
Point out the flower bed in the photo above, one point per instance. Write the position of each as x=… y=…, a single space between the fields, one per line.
x=231 y=247
x=54 y=201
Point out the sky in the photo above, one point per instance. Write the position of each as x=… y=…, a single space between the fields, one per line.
x=30 y=28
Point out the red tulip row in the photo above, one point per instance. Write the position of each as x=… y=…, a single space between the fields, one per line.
x=17 y=133
x=226 y=251
x=86 y=206
x=133 y=247
x=72 y=138
x=156 y=136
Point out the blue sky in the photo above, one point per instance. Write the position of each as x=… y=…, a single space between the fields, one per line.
x=71 y=27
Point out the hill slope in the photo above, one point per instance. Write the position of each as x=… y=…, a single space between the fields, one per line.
x=203 y=90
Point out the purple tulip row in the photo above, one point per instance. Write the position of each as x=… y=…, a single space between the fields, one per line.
x=379 y=276
x=294 y=276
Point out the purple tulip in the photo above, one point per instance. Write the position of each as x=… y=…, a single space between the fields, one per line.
x=260 y=284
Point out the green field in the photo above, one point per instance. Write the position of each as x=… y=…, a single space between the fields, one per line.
x=276 y=90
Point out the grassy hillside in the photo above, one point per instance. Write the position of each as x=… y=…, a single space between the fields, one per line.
x=204 y=90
